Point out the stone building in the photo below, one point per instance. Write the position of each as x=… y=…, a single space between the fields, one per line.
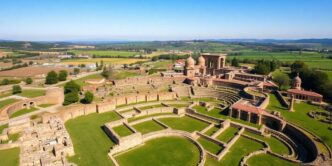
x=298 y=93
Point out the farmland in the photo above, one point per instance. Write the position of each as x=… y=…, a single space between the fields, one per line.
x=31 y=71
x=106 y=53
x=313 y=59
x=114 y=61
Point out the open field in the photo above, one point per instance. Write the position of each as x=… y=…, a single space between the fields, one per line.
x=31 y=93
x=175 y=151
x=22 y=112
x=184 y=123
x=242 y=147
x=32 y=71
x=227 y=134
x=114 y=61
x=93 y=135
x=266 y=159
x=313 y=59
x=109 y=53
x=210 y=146
x=301 y=118
x=10 y=157
x=148 y=126
x=6 y=102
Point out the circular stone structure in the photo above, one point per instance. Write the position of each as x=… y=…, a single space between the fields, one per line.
x=168 y=150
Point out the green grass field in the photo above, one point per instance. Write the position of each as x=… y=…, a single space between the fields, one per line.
x=122 y=130
x=301 y=118
x=313 y=59
x=6 y=102
x=10 y=157
x=227 y=134
x=276 y=145
x=148 y=126
x=87 y=130
x=2 y=127
x=175 y=151
x=242 y=147
x=108 y=53
x=266 y=159
x=32 y=93
x=22 y=112
x=212 y=130
x=210 y=146
x=184 y=123
x=45 y=105
x=146 y=116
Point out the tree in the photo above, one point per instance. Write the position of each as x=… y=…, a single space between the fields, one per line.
x=282 y=80
x=297 y=66
x=71 y=98
x=17 y=89
x=262 y=68
x=5 y=82
x=76 y=71
x=51 y=78
x=63 y=75
x=235 y=62
x=88 y=98
x=71 y=86
x=28 y=80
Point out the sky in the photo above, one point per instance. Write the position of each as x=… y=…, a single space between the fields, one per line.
x=101 y=20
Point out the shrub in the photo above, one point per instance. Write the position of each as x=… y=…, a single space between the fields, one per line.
x=28 y=80
x=72 y=86
x=51 y=78
x=17 y=89
x=88 y=98
x=63 y=75
x=70 y=98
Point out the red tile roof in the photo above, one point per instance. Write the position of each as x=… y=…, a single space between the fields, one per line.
x=304 y=92
x=248 y=108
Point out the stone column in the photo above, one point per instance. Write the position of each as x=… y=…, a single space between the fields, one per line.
x=249 y=116
x=259 y=121
x=238 y=114
x=218 y=65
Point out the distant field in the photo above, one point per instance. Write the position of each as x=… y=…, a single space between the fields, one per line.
x=115 y=61
x=313 y=59
x=109 y=53
x=31 y=71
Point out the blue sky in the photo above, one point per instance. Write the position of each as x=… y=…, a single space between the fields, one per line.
x=164 y=19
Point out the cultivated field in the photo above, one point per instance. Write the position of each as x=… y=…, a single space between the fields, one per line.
x=115 y=61
x=31 y=71
x=109 y=53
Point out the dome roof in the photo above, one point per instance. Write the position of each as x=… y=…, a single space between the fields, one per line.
x=190 y=62
x=297 y=79
x=201 y=61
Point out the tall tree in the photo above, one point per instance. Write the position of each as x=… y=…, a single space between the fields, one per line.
x=51 y=78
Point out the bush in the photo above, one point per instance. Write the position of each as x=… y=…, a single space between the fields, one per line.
x=76 y=71
x=71 y=98
x=63 y=75
x=28 y=80
x=72 y=86
x=17 y=89
x=88 y=98
x=51 y=78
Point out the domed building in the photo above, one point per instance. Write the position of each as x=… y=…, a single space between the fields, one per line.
x=190 y=67
x=296 y=82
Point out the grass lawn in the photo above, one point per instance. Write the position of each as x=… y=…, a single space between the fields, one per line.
x=118 y=75
x=301 y=118
x=241 y=148
x=10 y=157
x=2 y=127
x=266 y=159
x=110 y=53
x=184 y=123
x=179 y=105
x=6 y=102
x=175 y=151
x=81 y=81
x=227 y=134
x=210 y=146
x=87 y=130
x=122 y=130
x=146 y=116
x=45 y=105
x=12 y=137
x=148 y=126
x=22 y=112
x=5 y=94
x=152 y=106
x=113 y=61
x=29 y=93
x=223 y=114
x=212 y=130
x=276 y=145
